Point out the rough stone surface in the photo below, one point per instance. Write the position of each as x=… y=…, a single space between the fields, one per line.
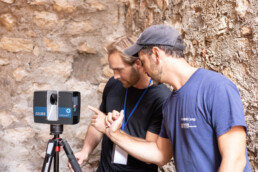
x=8 y=1
x=81 y=27
x=64 y=5
x=45 y=19
x=16 y=44
x=37 y=2
x=8 y=20
x=59 y=45
x=83 y=48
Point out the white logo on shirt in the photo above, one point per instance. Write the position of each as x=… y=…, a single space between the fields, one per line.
x=185 y=123
x=188 y=119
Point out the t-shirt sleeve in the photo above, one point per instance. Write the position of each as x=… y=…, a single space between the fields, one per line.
x=157 y=116
x=156 y=119
x=163 y=132
x=226 y=108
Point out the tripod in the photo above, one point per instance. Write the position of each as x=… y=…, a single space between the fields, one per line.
x=53 y=149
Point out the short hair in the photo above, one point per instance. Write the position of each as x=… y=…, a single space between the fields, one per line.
x=119 y=45
x=169 y=50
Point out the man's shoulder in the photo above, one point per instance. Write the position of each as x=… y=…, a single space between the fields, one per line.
x=213 y=78
x=161 y=89
x=112 y=82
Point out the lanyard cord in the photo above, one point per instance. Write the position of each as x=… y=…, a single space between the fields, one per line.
x=125 y=123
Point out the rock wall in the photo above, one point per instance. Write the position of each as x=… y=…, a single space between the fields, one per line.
x=59 y=45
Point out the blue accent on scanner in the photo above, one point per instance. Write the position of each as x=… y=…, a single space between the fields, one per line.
x=64 y=112
x=40 y=111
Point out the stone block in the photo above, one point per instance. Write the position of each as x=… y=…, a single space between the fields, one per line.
x=194 y=42
x=20 y=73
x=97 y=6
x=52 y=45
x=142 y=9
x=59 y=69
x=64 y=5
x=246 y=31
x=83 y=48
x=241 y=7
x=104 y=61
x=75 y=28
x=37 y=86
x=222 y=27
x=57 y=45
x=104 y=79
x=8 y=20
x=159 y=3
x=107 y=72
x=8 y=1
x=4 y=62
x=38 y=2
x=45 y=19
x=30 y=33
x=6 y=119
x=36 y=51
x=101 y=87
x=16 y=44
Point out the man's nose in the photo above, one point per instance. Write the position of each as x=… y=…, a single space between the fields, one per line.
x=116 y=75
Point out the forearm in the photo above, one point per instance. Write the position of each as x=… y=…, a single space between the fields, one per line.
x=92 y=139
x=139 y=148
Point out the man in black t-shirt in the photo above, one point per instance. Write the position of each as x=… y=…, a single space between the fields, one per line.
x=132 y=90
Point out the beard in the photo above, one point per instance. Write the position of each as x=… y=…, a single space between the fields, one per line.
x=156 y=74
x=134 y=77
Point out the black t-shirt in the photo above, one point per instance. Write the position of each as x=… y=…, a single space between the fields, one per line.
x=146 y=117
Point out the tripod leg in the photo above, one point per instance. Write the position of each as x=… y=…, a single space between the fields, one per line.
x=71 y=156
x=56 y=159
x=57 y=150
x=49 y=155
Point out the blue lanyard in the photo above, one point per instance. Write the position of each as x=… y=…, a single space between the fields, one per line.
x=125 y=123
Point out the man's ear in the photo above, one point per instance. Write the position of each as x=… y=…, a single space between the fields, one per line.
x=156 y=52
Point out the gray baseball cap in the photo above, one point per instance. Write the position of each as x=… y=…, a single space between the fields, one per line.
x=156 y=35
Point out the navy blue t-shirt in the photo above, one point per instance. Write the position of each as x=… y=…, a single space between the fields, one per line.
x=205 y=107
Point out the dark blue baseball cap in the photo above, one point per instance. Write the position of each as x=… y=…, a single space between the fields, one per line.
x=156 y=35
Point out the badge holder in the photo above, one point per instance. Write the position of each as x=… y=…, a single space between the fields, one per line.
x=119 y=155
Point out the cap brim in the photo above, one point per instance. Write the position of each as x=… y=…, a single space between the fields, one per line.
x=133 y=50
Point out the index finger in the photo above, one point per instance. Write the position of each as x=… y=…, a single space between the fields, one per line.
x=94 y=109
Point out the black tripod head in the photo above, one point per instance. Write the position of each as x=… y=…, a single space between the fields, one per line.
x=56 y=129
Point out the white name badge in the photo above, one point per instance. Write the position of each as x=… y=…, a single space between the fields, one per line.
x=119 y=155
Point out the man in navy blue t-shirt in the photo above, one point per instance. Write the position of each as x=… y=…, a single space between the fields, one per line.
x=203 y=124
